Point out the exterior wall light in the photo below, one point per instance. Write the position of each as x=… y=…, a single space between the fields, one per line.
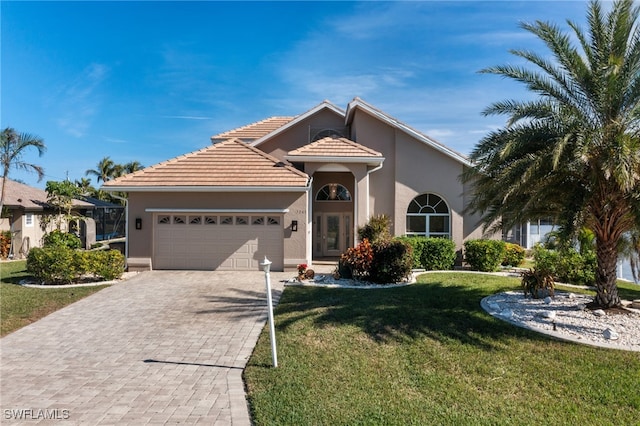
x=294 y=226
x=138 y=223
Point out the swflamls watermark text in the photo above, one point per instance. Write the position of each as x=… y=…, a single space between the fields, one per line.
x=36 y=414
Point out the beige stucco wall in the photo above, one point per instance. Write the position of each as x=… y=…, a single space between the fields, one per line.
x=295 y=243
x=373 y=133
x=298 y=135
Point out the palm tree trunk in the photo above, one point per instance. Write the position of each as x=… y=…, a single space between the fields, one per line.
x=606 y=276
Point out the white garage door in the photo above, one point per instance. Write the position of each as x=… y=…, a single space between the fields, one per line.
x=212 y=241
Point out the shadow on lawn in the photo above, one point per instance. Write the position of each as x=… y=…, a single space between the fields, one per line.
x=435 y=310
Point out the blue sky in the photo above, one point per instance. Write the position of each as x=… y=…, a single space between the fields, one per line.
x=149 y=81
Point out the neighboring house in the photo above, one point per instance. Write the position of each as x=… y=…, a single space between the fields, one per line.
x=530 y=233
x=293 y=189
x=24 y=208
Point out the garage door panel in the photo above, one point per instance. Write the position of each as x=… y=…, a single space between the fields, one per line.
x=199 y=245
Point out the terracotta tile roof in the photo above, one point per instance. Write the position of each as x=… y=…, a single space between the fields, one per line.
x=334 y=147
x=19 y=195
x=229 y=163
x=254 y=130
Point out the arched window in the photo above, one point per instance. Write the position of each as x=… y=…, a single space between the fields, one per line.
x=428 y=215
x=333 y=192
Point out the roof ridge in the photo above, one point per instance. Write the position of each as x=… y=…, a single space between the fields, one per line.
x=270 y=157
x=266 y=120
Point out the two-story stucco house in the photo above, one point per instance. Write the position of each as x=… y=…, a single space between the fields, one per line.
x=293 y=189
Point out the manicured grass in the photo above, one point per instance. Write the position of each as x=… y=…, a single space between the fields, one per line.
x=20 y=306
x=428 y=354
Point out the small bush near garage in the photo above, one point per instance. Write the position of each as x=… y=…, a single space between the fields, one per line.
x=392 y=261
x=513 y=255
x=106 y=264
x=484 y=255
x=59 y=264
x=432 y=254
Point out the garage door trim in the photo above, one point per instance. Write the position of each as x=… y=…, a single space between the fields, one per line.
x=265 y=211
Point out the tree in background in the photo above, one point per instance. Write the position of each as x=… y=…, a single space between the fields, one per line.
x=105 y=170
x=12 y=147
x=60 y=196
x=572 y=153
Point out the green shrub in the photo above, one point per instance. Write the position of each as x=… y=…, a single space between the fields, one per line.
x=438 y=254
x=567 y=264
x=392 y=261
x=106 y=264
x=432 y=254
x=59 y=238
x=56 y=264
x=513 y=255
x=378 y=228
x=484 y=255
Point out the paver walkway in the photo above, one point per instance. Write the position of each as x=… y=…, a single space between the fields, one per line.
x=164 y=347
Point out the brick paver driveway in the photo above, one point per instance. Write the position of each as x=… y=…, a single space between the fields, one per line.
x=162 y=347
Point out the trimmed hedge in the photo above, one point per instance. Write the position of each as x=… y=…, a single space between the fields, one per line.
x=392 y=261
x=59 y=264
x=514 y=255
x=432 y=254
x=484 y=255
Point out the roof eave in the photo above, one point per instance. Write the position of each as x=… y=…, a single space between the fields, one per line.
x=202 y=188
x=359 y=103
x=371 y=161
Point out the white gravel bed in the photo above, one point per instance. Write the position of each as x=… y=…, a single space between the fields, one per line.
x=566 y=317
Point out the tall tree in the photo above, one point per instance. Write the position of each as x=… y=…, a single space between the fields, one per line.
x=12 y=147
x=573 y=151
x=105 y=170
x=132 y=166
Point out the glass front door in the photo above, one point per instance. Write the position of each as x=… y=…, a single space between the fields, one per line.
x=335 y=233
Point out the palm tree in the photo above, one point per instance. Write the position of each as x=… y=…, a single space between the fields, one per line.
x=573 y=152
x=85 y=186
x=12 y=147
x=132 y=166
x=105 y=170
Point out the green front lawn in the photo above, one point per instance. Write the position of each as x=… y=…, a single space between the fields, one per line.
x=428 y=354
x=20 y=306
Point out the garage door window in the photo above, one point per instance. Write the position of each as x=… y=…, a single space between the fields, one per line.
x=273 y=220
x=219 y=220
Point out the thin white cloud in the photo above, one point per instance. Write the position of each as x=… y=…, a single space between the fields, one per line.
x=186 y=117
x=78 y=101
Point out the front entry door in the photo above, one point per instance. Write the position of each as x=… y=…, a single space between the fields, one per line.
x=334 y=232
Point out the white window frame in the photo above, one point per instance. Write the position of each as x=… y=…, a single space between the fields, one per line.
x=29 y=220
x=428 y=215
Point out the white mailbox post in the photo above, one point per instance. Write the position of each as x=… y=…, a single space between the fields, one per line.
x=266 y=265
